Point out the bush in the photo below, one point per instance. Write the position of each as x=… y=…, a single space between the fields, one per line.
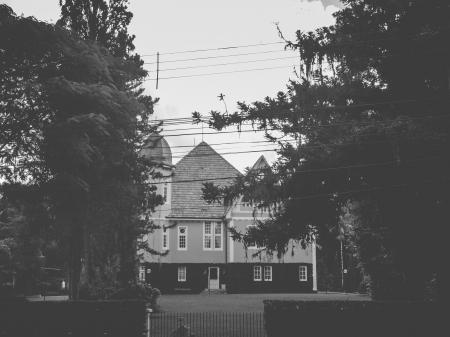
x=73 y=318
x=139 y=291
x=351 y=318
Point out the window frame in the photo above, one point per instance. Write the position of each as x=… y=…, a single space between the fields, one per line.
x=185 y=237
x=212 y=235
x=256 y=279
x=142 y=271
x=165 y=235
x=181 y=271
x=270 y=274
x=305 y=269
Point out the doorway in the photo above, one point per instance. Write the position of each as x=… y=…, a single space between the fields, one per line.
x=213 y=278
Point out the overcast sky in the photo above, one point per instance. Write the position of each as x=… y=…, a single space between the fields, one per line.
x=168 y=26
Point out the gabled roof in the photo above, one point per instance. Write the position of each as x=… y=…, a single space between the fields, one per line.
x=202 y=163
x=260 y=164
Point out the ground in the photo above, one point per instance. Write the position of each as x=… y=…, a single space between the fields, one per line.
x=241 y=302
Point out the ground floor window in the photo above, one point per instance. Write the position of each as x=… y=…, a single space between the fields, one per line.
x=303 y=273
x=257 y=273
x=142 y=273
x=182 y=274
x=267 y=273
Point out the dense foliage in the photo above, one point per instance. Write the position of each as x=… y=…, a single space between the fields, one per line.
x=73 y=120
x=367 y=125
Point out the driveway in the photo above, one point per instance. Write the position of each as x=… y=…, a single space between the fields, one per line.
x=241 y=302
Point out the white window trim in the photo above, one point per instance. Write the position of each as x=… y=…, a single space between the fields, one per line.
x=142 y=273
x=213 y=236
x=165 y=234
x=301 y=279
x=181 y=279
x=255 y=247
x=260 y=273
x=185 y=235
x=264 y=275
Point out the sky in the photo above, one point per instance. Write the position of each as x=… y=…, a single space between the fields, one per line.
x=174 y=27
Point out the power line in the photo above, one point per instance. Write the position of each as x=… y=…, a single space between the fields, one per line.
x=215 y=49
x=335 y=168
x=219 y=56
x=220 y=73
x=226 y=64
x=315 y=126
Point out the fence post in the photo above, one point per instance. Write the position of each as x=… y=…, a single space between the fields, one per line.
x=148 y=311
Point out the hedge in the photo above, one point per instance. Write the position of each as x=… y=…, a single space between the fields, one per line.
x=73 y=318
x=352 y=318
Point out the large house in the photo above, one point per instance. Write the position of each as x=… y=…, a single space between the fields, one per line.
x=199 y=250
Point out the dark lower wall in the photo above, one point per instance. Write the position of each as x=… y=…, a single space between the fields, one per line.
x=164 y=276
x=285 y=278
x=234 y=277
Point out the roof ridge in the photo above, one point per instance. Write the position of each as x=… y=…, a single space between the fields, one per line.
x=203 y=143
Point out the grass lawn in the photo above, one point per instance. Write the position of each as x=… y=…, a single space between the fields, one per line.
x=241 y=302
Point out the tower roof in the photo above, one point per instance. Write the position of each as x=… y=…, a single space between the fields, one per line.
x=158 y=150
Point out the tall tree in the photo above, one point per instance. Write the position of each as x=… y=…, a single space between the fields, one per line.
x=104 y=21
x=371 y=121
x=73 y=122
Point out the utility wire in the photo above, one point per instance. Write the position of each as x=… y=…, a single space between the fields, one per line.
x=221 y=73
x=220 y=56
x=219 y=48
x=390 y=122
x=226 y=64
x=375 y=164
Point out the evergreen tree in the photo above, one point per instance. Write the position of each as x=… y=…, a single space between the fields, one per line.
x=370 y=117
x=72 y=124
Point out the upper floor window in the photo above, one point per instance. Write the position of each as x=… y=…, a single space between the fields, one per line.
x=252 y=244
x=165 y=238
x=182 y=237
x=212 y=236
x=165 y=193
x=303 y=273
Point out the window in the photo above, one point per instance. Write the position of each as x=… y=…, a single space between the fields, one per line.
x=165 y=238
x=142 y=273
x=207 y=235
x=267 y=273
x=302 y=273
x=165 y=192
x=182 y=238
x=252 y=244
x=182 y=274
x=212 y=236
x=257 y=273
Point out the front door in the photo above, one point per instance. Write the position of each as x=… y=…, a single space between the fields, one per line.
x=213 y=278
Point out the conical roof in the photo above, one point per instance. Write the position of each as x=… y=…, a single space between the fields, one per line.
x=158 y=150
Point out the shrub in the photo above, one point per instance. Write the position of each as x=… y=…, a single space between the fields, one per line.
x=351 y=318
x=73 y=318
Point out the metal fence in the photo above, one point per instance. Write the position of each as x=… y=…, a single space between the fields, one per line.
x=206 y=324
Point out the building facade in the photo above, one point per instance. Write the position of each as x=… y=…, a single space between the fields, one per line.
x=197 y=249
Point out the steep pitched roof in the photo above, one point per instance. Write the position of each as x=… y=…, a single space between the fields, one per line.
x=199 y=164
x=261 y=163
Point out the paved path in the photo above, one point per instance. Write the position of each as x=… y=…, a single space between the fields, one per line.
x=241 y=302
